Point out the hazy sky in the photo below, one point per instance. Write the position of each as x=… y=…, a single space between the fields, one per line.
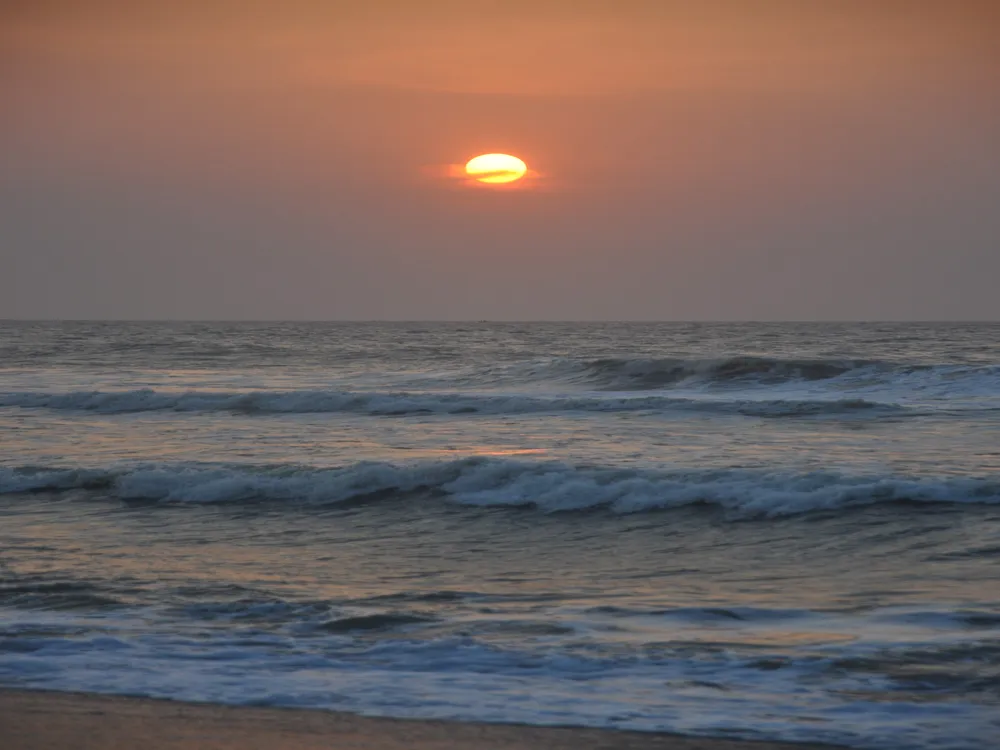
x=740 y=159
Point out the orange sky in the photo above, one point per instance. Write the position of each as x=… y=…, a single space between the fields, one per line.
x=695 y=159
x=515 y=47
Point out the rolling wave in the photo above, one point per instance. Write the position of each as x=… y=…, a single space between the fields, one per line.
x=403 y=403
x=644 y=374
x=665 y=373
x=488 y=482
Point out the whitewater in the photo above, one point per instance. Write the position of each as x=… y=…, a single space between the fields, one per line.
x=786 y=531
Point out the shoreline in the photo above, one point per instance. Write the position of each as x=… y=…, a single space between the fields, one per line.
x=51 y=720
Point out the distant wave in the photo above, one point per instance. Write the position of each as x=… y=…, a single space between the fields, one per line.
x=547 y=486
x=400 y=404
x=644 y=374
x=641 y=374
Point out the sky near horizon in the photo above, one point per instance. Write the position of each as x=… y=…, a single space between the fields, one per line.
x=700 y=160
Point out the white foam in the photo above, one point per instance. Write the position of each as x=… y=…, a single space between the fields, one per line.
x=711 y=692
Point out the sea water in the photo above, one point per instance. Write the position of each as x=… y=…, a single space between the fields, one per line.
x=760 y=530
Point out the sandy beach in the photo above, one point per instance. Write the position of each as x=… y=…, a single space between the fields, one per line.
x=44 y=720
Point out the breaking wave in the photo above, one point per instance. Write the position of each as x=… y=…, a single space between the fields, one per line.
x=644 y=374
x=651 y=374
x=547 y=486
x=402 y=404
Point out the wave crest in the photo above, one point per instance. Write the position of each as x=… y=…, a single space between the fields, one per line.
x=548 y=486
x=402 y=404
x=646 y=374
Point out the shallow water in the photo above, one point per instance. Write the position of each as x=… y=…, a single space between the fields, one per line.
x=785 y=531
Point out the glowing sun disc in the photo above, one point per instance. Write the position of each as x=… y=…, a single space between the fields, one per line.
x=494 y=169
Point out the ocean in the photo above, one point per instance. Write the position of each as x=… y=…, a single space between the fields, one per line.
x=785 y=531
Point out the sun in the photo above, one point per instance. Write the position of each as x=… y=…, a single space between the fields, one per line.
x=495 y=169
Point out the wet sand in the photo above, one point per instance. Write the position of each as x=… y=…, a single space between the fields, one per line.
x=43 y=720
